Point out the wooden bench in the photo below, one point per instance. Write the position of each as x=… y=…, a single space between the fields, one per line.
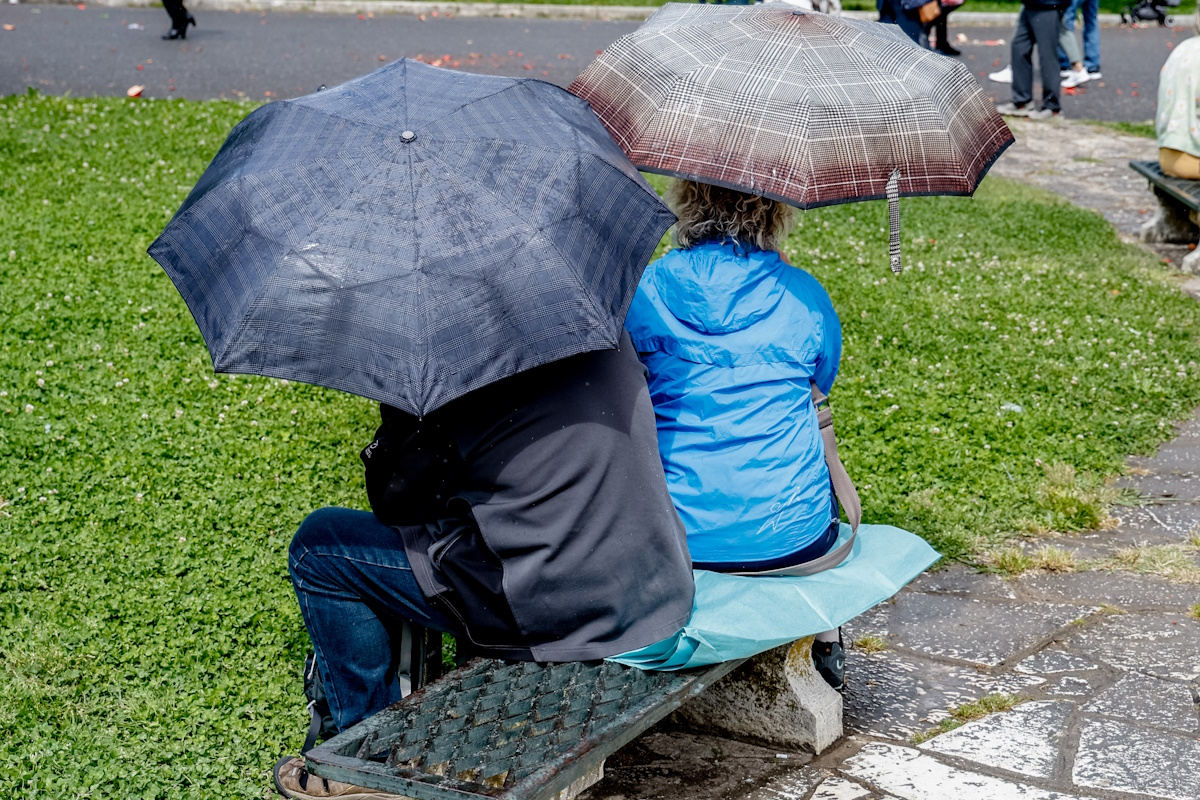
x=1178 y=202
x=524 y=731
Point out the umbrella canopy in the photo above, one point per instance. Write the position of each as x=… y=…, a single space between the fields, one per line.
x=801 y=107
x=412 y=235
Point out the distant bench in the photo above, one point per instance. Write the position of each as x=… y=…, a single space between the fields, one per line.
x=525 y=731
x=1178 y=204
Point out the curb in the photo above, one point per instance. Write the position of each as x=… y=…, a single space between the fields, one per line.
x=503 y=10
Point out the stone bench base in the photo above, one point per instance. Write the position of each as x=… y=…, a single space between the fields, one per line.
x=776 y=698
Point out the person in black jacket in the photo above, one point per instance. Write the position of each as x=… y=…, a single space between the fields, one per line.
x=1037 y=24
x=530 y=518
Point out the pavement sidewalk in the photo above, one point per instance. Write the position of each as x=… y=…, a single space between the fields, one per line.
x=504 y=10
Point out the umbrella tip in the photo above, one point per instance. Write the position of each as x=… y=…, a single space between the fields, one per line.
x=321 y=88
x=407 y=136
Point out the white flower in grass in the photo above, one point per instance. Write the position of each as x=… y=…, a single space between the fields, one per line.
x=145 y=416
x=41 y=382
x=178 y=413
x=254 y=423
x=28 y=408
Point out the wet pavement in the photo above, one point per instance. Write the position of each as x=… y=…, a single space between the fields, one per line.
x=272 y=55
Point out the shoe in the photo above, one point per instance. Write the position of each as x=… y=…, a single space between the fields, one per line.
x=1010 y=110
x=1065 y=73
x=947 y=49
x=1003 y=76
x=1044 y=113
x=1094 y=76
x=292 y=779
x=829 y=659
x=1072 y=78
x=175 y=34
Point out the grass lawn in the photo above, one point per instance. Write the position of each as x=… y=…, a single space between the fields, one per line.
x=150 y=645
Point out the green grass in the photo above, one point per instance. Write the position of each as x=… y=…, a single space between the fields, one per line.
x=1143 y=129
x=150 y=645
x=961 y=715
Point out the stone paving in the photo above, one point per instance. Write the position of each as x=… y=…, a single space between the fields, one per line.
x=1105 y=664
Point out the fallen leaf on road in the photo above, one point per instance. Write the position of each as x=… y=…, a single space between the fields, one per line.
x=81 y=6
x=140 y=67
x=527 y=66
x=420 y=17
x=566 y=57
x=134 y=91
x=545 y=72
x=1191 y=245
x=433 y=13
x=598 y=52
x=383 y=58
x=266 y=94
x=149 y=60
x=8 y=27
x=360 y=16
x=962 y=37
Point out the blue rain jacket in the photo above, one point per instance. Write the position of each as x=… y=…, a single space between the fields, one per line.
x=731 y=336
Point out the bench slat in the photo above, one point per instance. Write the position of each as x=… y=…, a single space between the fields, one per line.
x=506 y=731
x=1184 y=191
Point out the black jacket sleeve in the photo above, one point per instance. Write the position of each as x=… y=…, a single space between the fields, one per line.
x=413 y=468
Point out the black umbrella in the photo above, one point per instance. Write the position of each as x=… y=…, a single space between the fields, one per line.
x=412 y=235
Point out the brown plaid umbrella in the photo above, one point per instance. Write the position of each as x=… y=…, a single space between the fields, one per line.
x=801 y=107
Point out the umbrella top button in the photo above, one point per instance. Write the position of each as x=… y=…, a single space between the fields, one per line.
x=407 y=136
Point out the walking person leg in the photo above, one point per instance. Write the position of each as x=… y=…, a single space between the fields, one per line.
x=180 y=19
x=1066 y=57
x=1045 y=25
x=1022 y=68
x=1091 y=37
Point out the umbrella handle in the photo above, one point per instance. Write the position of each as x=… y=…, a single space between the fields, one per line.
x=893 y=201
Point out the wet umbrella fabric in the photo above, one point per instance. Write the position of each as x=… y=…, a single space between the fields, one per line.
x=805 y=108
x=412 y=235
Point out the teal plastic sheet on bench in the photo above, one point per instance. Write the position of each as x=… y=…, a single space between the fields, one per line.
x=736 y=616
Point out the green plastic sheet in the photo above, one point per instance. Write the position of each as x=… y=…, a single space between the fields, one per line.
x=735 y=616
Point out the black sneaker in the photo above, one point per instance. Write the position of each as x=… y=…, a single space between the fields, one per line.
x=830 y=660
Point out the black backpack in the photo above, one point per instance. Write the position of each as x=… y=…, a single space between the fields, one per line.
x=420 y=663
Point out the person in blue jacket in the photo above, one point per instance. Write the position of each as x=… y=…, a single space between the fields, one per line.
x=731 y=336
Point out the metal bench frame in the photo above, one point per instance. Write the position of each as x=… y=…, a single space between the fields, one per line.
x=503 y=731
x=1175 y=221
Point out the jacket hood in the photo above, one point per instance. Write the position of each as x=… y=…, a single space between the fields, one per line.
x=719 y=287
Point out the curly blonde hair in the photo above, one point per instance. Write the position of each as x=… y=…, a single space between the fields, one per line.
x=708 y=212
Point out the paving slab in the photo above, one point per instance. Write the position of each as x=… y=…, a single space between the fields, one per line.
x=896 y=695
x=1072 y=686
x=1123 y=589
x=971 y=630
x=1121 y=757
x=1161 y=645
x=912 y=775
x=1052 y=661
x=1025 y=740
x=1180 y=456
x=1174 y=523
x=1158 y=703
x=957 y=579
x=1164 y=485
x=840 y=789
x=792 y=785
x=871 y=623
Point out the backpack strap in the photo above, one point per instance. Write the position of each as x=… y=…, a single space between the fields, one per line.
x=843 y=487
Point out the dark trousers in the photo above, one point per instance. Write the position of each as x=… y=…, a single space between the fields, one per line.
x=178 y=13
x=355 y=587
x=1038 y=28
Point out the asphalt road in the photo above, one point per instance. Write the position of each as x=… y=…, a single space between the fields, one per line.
x=97 y=51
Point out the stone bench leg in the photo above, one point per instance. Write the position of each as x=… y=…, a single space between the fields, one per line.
x=1173 y=223
x=776 y=697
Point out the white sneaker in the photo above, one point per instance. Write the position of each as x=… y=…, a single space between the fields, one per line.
x=1064 y=73
x=1003 y=76
x=1094 y=76
x=1072 y=78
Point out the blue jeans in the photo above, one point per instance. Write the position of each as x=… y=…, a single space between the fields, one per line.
x=355 y=587
x=1091 y=33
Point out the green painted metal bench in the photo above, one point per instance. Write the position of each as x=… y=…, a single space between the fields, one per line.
x=1178 y=204
x=524 y=731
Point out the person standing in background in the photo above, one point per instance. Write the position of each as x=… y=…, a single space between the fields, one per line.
x=1037 y=26
x=180 y=19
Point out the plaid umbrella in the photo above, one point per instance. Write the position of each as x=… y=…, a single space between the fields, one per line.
x=805 y=108
x=412 y=235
